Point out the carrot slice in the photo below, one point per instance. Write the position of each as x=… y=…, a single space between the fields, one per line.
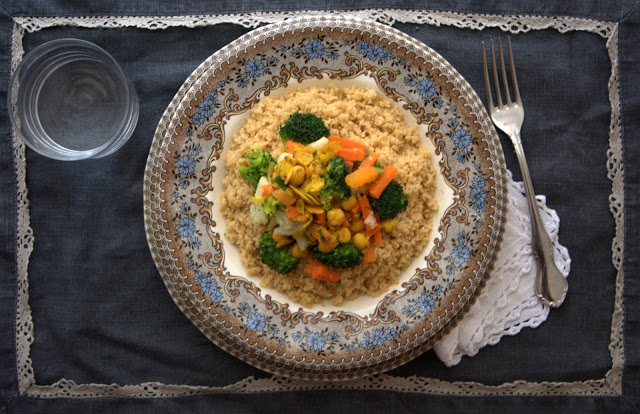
x=321 y=272
x=284 y=197
x=290 y=146
x=267 y=189
x=350 y=164
x=292 y=212
x=369 y=254
x=370 y=161
x=377 y=237
x=365 y=207
x=377 y=187
x=361 y=176
x=321 y=219
x=372 y=231
x=347 y=143
x=350 y=154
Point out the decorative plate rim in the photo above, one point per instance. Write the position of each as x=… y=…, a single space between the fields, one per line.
x=216 y=329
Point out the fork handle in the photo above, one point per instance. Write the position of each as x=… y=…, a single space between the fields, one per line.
x=551 y=285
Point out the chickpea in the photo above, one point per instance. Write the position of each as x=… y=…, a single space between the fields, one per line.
x=344 y=235
x=389 y=225
x=297 y=253
x=319 y=169
x=279 y=238
x=297 y=176
x=283 y=243
x=357 y=226
x=327 y=247
x=349 y=203
x=335 y=217
x=360 y=241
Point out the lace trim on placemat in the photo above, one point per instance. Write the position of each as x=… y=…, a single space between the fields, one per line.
x=611 y=384
x=24 y=240
x=386 y=382
x=615 y=173
x=507 y=23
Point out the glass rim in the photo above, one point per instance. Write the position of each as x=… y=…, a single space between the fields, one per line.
x=54 y=150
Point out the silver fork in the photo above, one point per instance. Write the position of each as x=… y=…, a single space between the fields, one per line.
x=551 y=286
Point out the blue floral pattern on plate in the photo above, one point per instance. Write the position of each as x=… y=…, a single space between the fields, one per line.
x=183 y=175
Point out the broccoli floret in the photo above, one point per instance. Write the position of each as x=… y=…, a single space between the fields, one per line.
x=391 y=202
x=279 y=259
x=334 y=184
x=343 y=256
x=271 y=205
x=303 y=128
x=259 y=161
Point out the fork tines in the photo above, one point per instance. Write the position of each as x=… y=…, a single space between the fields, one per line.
x=496 y=82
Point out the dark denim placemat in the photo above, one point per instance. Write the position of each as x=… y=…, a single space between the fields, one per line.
x=102 y=314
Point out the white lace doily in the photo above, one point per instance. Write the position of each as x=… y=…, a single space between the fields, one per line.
x=508 y=301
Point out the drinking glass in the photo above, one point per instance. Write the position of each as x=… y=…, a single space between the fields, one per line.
x=70 y=100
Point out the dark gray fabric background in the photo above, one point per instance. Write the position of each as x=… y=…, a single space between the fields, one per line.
x=103 y=315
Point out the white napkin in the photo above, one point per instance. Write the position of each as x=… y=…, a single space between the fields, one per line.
x=508 y=301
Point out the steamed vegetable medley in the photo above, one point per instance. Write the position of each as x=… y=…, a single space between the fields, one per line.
x=323 y=197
